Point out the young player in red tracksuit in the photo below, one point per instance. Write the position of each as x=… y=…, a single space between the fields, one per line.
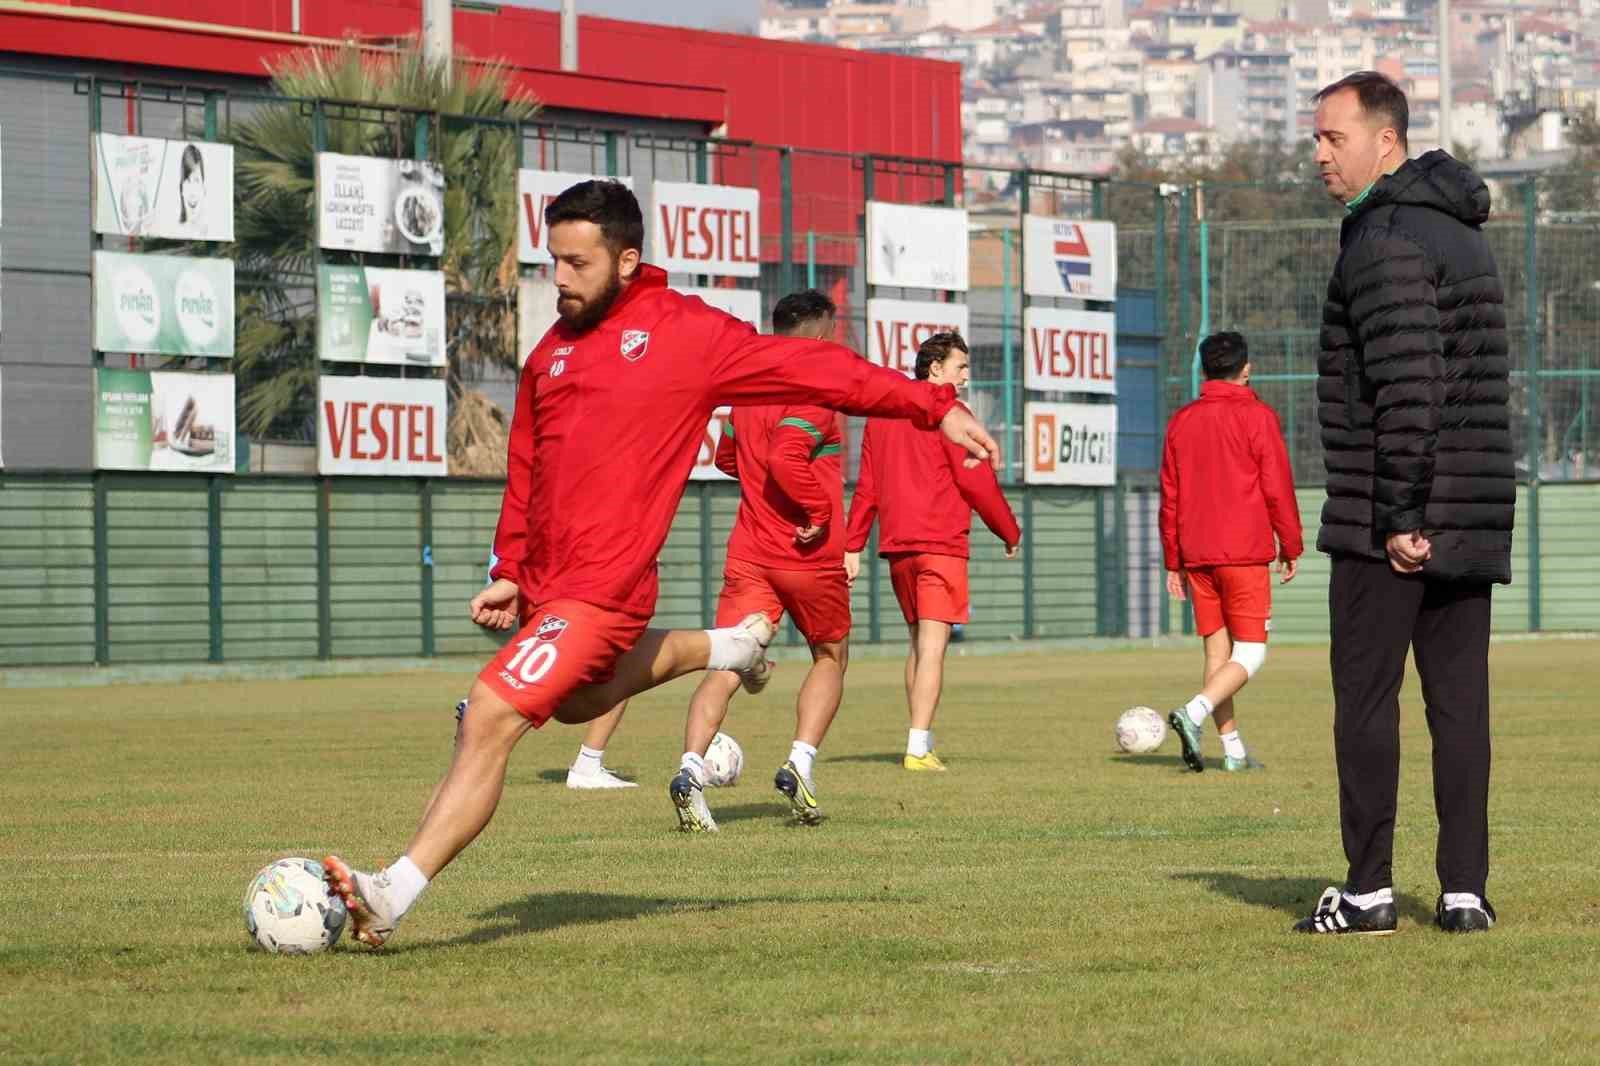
x=1226 y=490
x=786 y=553
x=611 y=408
x=923 y=494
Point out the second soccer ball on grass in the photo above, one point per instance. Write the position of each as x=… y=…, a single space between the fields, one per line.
x=724 y=761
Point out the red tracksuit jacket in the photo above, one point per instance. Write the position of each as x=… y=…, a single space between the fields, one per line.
x=608 y=422
x=1226 y=484
x=788 y=462
x=919 y=486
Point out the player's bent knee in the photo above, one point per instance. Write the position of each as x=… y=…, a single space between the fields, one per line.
x=489 y=717
x=1250 y=655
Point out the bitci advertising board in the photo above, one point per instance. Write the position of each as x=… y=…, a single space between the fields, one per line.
x=706 y=229
x=1071 y=443
x=1070 y=260
x=1070 y=351
x=535 y=190
x=896 y=328
x=381 y=426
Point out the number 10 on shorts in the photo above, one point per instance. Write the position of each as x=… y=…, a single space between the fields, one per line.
x=532 y=662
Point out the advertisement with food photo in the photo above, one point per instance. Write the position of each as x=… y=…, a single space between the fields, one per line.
x=373 y=315
x=159 y=420
x=393 y=206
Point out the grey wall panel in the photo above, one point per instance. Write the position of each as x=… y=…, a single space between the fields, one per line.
x=47 y=317
x=46 y=158
x=48 y=417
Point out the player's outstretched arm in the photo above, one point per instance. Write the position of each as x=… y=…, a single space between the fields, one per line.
x=981 y=490
x=747 y=367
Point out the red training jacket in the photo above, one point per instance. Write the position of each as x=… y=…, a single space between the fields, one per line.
x=788 y=462
x=608 y=423
x=1226 y=485
x=918 y=485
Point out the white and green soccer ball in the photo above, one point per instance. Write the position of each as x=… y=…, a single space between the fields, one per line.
x=289 y=911
x=724 y=761
x=1141 y=730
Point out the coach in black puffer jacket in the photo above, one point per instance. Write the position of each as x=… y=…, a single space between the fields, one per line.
x=1413 y=383
x=1411 y=394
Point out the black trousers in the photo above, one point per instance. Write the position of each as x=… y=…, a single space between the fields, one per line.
x=1377 y=615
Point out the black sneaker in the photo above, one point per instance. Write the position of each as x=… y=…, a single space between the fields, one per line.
x=1464 y=919
x=1335 y=914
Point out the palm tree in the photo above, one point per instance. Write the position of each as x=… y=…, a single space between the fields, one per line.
x=472 y=114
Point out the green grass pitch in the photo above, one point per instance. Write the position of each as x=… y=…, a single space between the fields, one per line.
x=1048 y=900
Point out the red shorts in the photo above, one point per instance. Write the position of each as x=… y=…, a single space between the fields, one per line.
x=930 y=586
x=1235 y=598
x=562 y=646
x=817 y=600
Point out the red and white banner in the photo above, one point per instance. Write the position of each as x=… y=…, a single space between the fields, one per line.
x=1071 y=443
x=896 y=328
x=743 y=304
x=383 y=426
x=706 y=229
x=1070 y=351
x=535 y=190
x=1065 y=258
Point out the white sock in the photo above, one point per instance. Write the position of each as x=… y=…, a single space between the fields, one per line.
x=1456 y=900
x=695 y=764
x=1198 y=709
x=405 y=884
x=803 y=756
x=1232 y=746
x=590 y=761
x=920 y=742
x=730 y=648
x=1370 y=899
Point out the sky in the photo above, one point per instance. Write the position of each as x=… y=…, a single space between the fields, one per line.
x=705 y=14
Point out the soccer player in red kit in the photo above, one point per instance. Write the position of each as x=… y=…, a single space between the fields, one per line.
x=786 y=553
x=923 y=493
x=1226 y=491
x=611 y=408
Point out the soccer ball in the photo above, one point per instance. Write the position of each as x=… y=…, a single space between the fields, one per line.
x=724 y=760
x=1141 y=730
x=289 y=911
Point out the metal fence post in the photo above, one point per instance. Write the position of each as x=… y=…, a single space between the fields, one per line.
x=786 y=215
x=102 y=576
x=1097 y=199
x=1185 y=199
x=1119 y=559
x=708 y=613
x=1100 y=596
x=1008 y=355
x=811 y=259
x=949 y=185
x=611 y=153
x=214 y=562
x=874 y=615
x=1530 y=213
x=425 y=564
x=324 y=570
x=1165 y=607
x=211 y=116
x=1028 y=537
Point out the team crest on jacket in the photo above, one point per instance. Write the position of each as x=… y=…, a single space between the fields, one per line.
x=634 y=343
x=551 y=628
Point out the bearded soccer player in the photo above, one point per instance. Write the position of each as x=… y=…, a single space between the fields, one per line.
x=923 y=493
x=611 y=408
x=786 y=553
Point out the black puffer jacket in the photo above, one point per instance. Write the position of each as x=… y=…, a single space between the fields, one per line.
x=1412 y=378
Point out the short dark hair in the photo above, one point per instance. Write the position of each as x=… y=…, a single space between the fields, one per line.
x=610 y=205
x=798 y=308
x=936 y=349
x=1380 y=98
x=1223 y=356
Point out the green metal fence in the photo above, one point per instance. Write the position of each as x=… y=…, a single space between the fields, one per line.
x=127 y=568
